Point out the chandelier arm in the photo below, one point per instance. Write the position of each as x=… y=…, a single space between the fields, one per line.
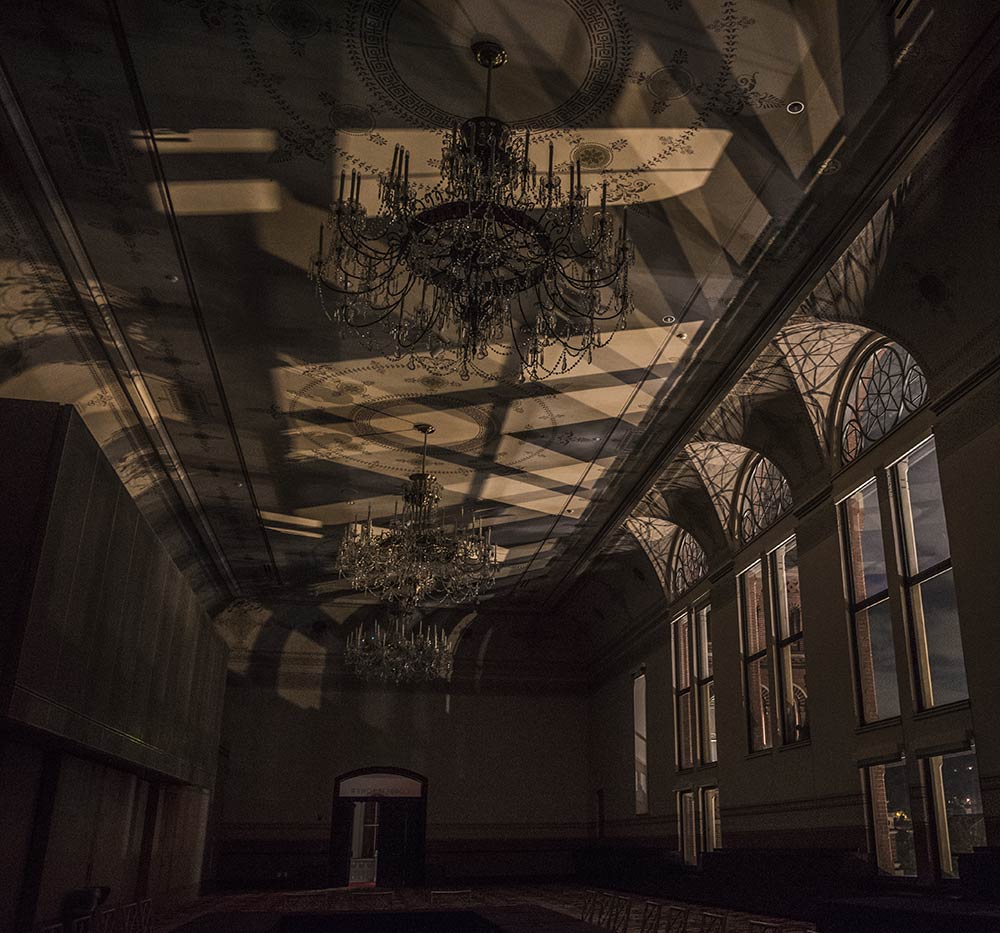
x=358 y=243
x=508 y=259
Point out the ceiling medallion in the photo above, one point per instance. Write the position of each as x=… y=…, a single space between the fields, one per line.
x=419 y=559
x=496 y=256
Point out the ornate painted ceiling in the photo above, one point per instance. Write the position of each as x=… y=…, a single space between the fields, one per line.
x=167 y=164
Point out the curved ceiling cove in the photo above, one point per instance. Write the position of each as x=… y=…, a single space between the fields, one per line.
x=181 y=155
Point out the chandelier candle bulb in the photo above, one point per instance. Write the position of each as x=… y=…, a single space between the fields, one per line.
x=507 y=262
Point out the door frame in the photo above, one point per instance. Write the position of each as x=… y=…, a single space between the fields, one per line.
x=338 y=834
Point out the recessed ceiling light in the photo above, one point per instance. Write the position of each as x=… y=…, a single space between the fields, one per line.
x=682 y=336
x=795 y=106
x=172 y=278
x=668 y=319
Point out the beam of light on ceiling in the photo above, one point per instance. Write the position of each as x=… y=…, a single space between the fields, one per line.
x=232 y=196
x=212 y=139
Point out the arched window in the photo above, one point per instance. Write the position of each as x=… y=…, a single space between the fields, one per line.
x=886 y=388
x=763 y=498
x=688 y=565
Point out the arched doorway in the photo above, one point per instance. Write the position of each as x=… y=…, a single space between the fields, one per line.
x=378 y=828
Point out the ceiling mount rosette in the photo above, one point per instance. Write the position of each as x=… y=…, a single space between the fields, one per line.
x=497 y=257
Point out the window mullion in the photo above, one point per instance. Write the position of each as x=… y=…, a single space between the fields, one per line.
x=770 y=652
x=693 y=681
x=895 y=574
x=930 y=572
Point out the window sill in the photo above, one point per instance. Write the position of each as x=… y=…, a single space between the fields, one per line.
x=878 y=724
x=942 y=710
x=760 y=753
x=803 y=743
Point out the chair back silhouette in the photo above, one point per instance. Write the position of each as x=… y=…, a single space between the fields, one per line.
x=146 y=916
x=764 y=926
x=588 y=909
x=677 y=920
x=652 y=914
x=602 y=909
x=129 y=918
x=104 y=921
x=712 y=922
x=619 y=914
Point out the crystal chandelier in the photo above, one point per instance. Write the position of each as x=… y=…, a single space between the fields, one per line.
x=403 y=650
x=496 y=256
x=419 y=558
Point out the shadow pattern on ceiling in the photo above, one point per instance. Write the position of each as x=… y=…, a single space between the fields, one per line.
x=182 y=155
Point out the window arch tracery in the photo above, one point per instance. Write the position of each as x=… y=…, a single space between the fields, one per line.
x=764 y=496
x=688 y=565
x=887 y=386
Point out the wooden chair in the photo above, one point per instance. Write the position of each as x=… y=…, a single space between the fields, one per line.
x=764 y=926
x=619 y=914
x=146 y=916
x=602 y=908
x=652 y=915
x=677 y=919
x=105 y=920
x=129 y=918
x=712 y=922
x=80 y=925
x=589 y=908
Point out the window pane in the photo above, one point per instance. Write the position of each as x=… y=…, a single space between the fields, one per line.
x=795 y=712
x=713 y=825
x=964 y=827
x=685 y=730
x=639 y=720
x=709 y=742
x=866 y=552
x=892 y=819
x=682 y=656
x=704 y=622
x=877 y=662
x=689 y=828
x=785 y=564
x=936 y=618
x=752 y=609
x=921 y=509
x=758 y=703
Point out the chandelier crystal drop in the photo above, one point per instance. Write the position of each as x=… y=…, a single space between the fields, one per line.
x=495 y=257
x=420 y=558
x=403 y=650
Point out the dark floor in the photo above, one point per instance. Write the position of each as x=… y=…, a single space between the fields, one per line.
x=549 y=908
